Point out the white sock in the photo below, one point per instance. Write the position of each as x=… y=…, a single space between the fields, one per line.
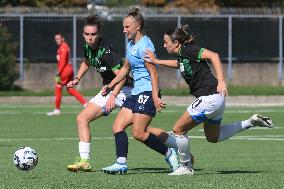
x=246 y=124
x=84 y=150
x=169 y=152
x=171 y=141
x=227 y=131
x=181 y=143
x=121 y=160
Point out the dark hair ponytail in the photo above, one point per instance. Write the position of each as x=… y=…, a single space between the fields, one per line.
x=135 y=13
x=93 y=20
x=182 y=34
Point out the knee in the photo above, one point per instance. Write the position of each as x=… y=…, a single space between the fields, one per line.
x=178 y=131
x=117 y=128
x=138 y=136
x=81 y=119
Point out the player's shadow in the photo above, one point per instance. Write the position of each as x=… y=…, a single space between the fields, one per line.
x=151 y=170
x=139 y=170
x=236 y=172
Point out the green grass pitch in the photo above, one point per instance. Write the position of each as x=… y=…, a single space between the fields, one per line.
x=252 y=159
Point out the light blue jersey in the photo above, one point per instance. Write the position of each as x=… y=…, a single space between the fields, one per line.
x=135 y=54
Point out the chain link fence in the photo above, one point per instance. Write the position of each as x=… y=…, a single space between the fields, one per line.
x=238 y=35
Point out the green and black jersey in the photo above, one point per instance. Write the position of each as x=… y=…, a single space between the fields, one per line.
x=104 y=59
x=196 y=71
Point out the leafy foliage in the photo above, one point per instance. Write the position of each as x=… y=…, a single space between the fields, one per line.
x=213 y=3
x=7 y=60
x=42 y=3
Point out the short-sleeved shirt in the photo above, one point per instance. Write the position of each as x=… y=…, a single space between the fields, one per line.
x=135 y=54
x=104 y=59
x=196 y=71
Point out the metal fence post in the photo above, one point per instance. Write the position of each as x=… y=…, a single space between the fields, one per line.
x=75 y=44
x=178 y=74
x=21 y=47
x=230 y=48
x=280 y=74
x=125 y=44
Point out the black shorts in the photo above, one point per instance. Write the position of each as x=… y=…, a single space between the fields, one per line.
x=142 y=103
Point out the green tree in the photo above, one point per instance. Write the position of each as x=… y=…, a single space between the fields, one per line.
x=8 y=72
x=43 y=3
x=250 y=3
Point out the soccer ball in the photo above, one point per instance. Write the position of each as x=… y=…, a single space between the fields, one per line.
x=25 y=158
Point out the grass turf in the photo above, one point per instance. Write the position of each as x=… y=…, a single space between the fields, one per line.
x=233 y=91
x=252 y=159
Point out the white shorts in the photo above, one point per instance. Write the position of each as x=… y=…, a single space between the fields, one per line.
x=208 y=108
x=101 y=100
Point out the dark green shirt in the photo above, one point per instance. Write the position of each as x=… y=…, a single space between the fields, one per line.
x=104 y=59
x=196 y=71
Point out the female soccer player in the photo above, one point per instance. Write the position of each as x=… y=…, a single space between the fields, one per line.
x=140 y=107
x=99 y=54
x=209 y=91
x=64 y=74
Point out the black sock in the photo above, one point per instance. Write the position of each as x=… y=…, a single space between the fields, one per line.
x=154 y=143
x=121 y=144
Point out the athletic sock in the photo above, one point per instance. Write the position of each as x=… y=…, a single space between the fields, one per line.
x=171 y=141
x=169 y=153
x=246 y=124
x=227 y=131
x=154 y=143
x=77 y=95
x=121 y=144
x=58 y=96
x=121 y=160
x=181 y=143
x=84 y=150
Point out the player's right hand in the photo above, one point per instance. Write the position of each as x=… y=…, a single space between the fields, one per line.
x=159 y=104
x=150 y=57
x=72 y=83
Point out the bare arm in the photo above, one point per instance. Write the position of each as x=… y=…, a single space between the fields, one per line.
x=168 y=63
x=119 y=86
x=81 y=72
x=83 y=69
x=151 y=58
x=216 y=62
x=110 y=104
x=155 y=85
x=121 y=75
x=123 y=72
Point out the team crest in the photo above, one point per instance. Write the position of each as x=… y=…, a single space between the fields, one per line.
x=134 y=50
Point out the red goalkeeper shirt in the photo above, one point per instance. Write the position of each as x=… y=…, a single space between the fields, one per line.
x=63 y=54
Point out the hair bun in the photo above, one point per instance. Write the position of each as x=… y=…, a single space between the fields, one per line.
x=134 y=11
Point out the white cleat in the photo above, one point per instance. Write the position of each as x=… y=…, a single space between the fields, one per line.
x=54 y=112
x=261 y=121
x=182 y=170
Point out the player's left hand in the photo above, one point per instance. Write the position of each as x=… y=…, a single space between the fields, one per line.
x=159 y=104
x=149 y=56
x=110 y=103
x=222 y=88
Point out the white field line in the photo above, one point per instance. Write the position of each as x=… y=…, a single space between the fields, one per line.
x=254 y=128
x=262 y=138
